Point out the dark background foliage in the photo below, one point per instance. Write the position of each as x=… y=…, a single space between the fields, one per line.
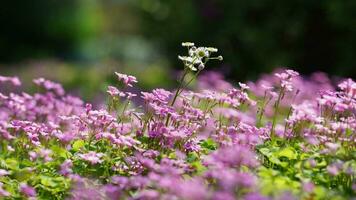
x=254 y=36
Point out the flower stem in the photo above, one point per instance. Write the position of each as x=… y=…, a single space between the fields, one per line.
x=177 y=92
x=276 y=109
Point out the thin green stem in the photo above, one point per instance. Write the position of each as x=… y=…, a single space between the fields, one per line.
x=276 y=109
x=261 y=111
x=181 y=81
x=123 y=110
x=194 y=77
x=181 y=86
x=186 y=70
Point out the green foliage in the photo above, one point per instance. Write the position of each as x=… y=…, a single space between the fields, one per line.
x=77 y=145
x=285 y=167
x=209 y=144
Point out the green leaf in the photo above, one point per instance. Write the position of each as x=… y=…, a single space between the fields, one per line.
x=192 y=156
x=274 y=160
x=60 y=152
x=288 y=152
x=265 y=151
x=321 y=164
x=23 y=174
x=209 y=144
x=199 y=167
x=172 y=155
x=12 y=163
x=48 y=181
x=77 y=145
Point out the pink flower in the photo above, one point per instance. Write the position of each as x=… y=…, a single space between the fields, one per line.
x=213 y=80
x=4 y=172
x=13 y=80
x=66 y=168
x=50 y=86
x=45 y=154
x=92 y=157
x=190 y=189
x=332 y=170
x=128 y=80
x=349 y=87
x=113 y=91
x=220 y=195
x=286 y=79
x=308 y=187
x=191 y=145
x=27 y=190
x=232 y=156
x=33 y=155
x=160 y=96
x=149 y=195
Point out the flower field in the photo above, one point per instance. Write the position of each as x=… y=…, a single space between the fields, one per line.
x=284 y=136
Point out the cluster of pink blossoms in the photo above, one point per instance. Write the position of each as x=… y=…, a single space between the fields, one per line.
x=211 y=143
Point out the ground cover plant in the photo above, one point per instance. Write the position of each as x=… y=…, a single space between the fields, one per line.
x=282 y=137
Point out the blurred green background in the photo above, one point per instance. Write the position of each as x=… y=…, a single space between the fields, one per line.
x=81 y=42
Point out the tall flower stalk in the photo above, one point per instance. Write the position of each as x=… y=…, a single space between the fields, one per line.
x=195 y=62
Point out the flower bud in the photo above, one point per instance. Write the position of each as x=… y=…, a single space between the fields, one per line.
x=187 y=44
x=201 y=66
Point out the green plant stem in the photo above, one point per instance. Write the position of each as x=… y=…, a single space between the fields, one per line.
x=177 y=92
x=179 y=87
x=276 y=112
x=261 y=110
x=194 y=77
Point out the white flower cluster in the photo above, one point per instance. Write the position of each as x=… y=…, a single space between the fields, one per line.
x=198 y=56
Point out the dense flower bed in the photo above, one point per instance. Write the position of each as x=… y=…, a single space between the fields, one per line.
x=282 y=137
